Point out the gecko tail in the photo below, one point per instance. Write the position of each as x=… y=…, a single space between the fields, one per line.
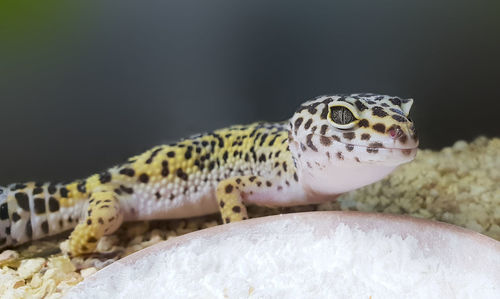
x=32 y=211
x=5 y=238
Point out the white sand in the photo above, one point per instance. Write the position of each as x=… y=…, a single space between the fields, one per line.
x=287 y=258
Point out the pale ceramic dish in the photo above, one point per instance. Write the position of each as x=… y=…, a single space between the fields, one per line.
x=472 y=259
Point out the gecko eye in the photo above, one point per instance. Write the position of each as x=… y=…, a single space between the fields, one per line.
x=342 y=117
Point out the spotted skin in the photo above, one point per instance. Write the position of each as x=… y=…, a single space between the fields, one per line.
x=309 y=159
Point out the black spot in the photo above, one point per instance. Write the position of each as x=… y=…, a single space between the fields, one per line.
x=379 y=127
x=360 y=105
x=126 y=189
x=268 y=183
x=37 y=190
x=310 y=143
x=39 y=205
x=157 y=195
x=340 y=156
x=188 y=154
x=171 y=154
x=181 y=174
x=363 y=123
x=336 y=138
x=104 y=177
x=53 y=204
x=371 y=150
x=399 y=118
x=229 y=188
x=308 y=124
x=295 y=177
x=224 y=156
x=22 y=200
x=325 y=140
x=153 y=154
x=15 y=217
x=89 y=221
x=365 y=136
x=379 y=111
x=271 y=143
x=144 y=178
x=64 y=192
x=18 y=187
x=349 y=135
x=29 y=229
x=164 y=171
x=81 y=187
x=221 y=204
x=7 y=230
x=211 y=165
x=376 y=145
x=349 y=147
x=236 y=209
x=52 y=189
x=91 y=240
x=45 y=227
x=262 y=158
x=100 y=220
x=324 y=112
x=263 y=139
x=395 y=101
x=4 y=211
x=323 y=129
x=128 y=172
x=403 y=138
x=118 y=191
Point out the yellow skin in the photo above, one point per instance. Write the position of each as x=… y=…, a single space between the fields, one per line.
x=324 y=150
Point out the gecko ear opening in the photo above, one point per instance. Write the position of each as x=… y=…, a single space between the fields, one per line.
x=406 y=105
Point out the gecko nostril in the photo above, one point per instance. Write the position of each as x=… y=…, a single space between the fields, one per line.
x=395 y=133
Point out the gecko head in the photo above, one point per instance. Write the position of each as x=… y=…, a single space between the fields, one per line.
x=343 y=142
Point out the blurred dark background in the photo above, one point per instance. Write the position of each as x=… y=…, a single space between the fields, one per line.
x=84 y=85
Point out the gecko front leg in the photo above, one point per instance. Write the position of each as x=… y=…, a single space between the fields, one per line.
x=233 y=192
x=103 y=217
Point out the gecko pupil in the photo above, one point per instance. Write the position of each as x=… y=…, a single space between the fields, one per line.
x=341 y=115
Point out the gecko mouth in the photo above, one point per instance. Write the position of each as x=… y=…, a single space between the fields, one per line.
x=372 y=145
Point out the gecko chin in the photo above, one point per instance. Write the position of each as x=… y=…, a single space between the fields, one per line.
x=341 y=168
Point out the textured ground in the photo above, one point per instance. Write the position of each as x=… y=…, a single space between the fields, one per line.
x=458 y=185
